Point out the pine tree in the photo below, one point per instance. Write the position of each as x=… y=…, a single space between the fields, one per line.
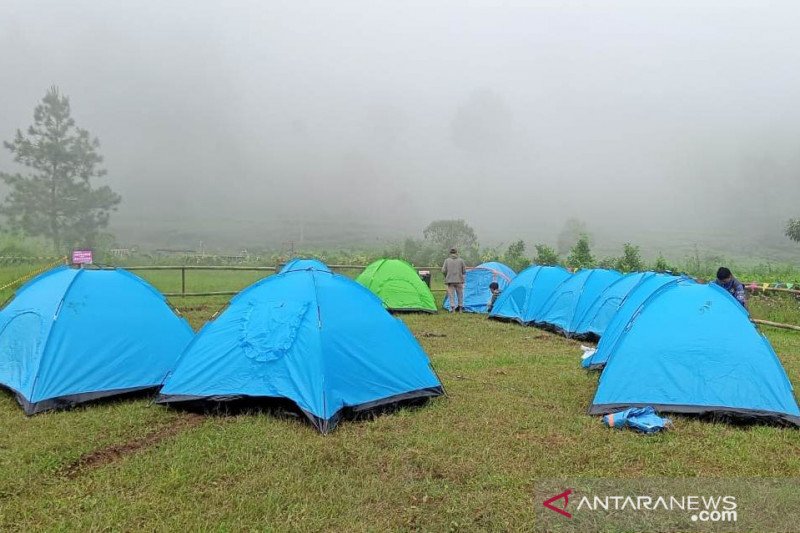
x=56 y=199
x=793 y=229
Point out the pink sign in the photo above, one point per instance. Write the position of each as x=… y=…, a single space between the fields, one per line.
x=81 y=257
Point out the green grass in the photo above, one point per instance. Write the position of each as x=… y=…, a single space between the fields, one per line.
x=515 y=412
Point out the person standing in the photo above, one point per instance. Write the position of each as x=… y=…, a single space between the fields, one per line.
x=454 y=270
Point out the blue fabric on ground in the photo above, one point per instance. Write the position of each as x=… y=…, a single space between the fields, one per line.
x=642 y=419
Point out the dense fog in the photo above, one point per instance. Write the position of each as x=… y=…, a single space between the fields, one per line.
x=255 y=123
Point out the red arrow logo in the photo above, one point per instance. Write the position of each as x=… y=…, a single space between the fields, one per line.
x=560 y=510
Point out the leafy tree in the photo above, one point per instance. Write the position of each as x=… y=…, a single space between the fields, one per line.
x=515 y=256
x=569 y=235
x=793 y=229
x=420 y=253
x=56 y=199
x=446 y=234
x=581 y=254
x=631 y=260
x=545 y=255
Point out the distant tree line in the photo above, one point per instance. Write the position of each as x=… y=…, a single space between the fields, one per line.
x=573 y=249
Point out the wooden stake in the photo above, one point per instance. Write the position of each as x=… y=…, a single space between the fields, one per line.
x=776 y=324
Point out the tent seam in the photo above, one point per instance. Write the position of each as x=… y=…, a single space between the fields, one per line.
x=54 y=321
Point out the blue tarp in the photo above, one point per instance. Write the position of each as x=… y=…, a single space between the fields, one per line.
x=631 y=305
x=691 y=348
x=573 y=297
x=605 y=306
x=642 y=419
x=72 y=335
x=304 y=264
x=315 y=338
x=526 y=295
x=476 y=286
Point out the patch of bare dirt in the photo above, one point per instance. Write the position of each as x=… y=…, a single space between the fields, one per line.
x=114 y=452
x=432 y=334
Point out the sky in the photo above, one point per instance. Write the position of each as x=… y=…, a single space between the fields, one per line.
x=257 y=122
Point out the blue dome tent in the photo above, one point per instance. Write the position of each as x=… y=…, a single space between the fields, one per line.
x=595 y=319
x=314 y=338
x=692 y=349
x=75 y=335
x=476 y=286
x=573 y=297
x=526 y=295
x=631 y=305
x=304 y=264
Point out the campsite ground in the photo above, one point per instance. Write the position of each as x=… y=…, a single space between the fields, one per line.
x=515 y=412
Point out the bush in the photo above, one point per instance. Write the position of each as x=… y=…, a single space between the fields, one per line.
x=608 y=262
x=581 y=254
x=545 y=255
x=631 y=260
x=661 y=265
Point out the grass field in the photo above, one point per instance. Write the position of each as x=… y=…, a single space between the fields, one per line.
x=515 y=412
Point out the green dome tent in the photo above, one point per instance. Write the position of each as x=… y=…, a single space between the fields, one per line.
x=398 y=285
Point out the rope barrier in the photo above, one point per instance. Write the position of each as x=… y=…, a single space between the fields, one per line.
x=33 y=273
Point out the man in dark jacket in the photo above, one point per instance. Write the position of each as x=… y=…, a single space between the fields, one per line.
x=726 y=280
x=454 y=270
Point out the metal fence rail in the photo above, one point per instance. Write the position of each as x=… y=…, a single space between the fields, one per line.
x=184 y=268
x=753 y=287
x=195 y=267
